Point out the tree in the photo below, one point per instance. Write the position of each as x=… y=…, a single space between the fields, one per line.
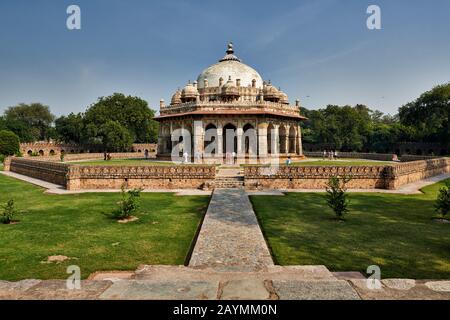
x=443 y=200
x=132 y=113
x=30 y=122
x=70 y=129
x=337 y=198
x=429 y=115
x=9 y=143
x=115 y=137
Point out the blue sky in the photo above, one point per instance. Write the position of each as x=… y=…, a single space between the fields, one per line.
x=319 y=51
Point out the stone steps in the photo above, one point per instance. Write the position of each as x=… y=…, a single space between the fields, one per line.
x=229 y=182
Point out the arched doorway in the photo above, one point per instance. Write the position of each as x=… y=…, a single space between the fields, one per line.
x=249 y=139
x=229 y=139
x=210 y=140
x=270 y=143
x=283 y=139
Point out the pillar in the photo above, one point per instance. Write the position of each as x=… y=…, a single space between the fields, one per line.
x=198 y=133
x=262 y=140
x=219 y=150
x=239 y=131
x=299 y=141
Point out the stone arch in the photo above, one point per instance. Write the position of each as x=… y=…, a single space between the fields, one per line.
x=210 y=138
x=229 y=131
x=30 y=152
x=292 y=140
x=249 y=139
x=52 y=152
x=282 y=133
x=270 y=144
x=41 y=153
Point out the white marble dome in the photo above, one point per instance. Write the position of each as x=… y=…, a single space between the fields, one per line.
x=230 y=66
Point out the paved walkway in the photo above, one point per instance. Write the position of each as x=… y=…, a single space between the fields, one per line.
x=230 y=237
x=185 y=283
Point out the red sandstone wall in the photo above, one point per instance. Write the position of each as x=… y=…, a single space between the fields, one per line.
x=151 y=177
x=47 y=171
x=363 y=177
x=355 y=155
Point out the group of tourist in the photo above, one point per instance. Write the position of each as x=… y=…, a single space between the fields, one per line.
x=330 y=154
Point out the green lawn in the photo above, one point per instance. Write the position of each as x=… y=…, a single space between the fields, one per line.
x=123 y=162
x=395 y=232
x=352 y=162
x=75 y=226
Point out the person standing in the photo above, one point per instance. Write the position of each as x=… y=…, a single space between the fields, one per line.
x=324 y=154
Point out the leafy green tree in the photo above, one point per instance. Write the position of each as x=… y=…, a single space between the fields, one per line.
x=31 y=122
x=132 y=113
x=9 y=143
x=337 y=197
x=70 y=129
x=443 y=200
x=115 y=137
x=429 y=115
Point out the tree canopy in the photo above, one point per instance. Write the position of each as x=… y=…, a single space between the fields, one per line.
x=9 y=143
x=132 y=113
x=31 y=122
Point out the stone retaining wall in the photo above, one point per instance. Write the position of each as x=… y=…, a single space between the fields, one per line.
x=363 y=177
x=48 y=171
x=408 y=172
x=78 y=177
x=149 y=177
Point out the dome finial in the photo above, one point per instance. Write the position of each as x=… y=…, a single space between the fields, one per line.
x=230 y=48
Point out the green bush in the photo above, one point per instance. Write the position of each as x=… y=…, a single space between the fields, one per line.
x=129 y=203
x=9 y=143
x=2 y=158
x=443 y=200
x=337 y=197
x=9 y=212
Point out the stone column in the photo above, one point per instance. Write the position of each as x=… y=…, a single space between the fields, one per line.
x=198 y=133
x=262 y=140
x=275 y=140
x=286 y=139
x=299 y=141
x=239 y=132
x=219 y=151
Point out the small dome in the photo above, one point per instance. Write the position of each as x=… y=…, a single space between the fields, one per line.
x=176 y=98
x=189 y=92
x=229 y=88
x=271 y=93
x=283 y=97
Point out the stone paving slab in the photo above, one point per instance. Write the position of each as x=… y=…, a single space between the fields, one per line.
x=182 y=273
x=161 y=290
x=245 y=289
x=14 y=290
x=398 y=291
x=315 y=290
x=57 y=290
x=230 y=238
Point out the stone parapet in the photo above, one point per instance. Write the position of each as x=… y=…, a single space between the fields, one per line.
x=151 y=177
x=47 y=171
x=363 y=177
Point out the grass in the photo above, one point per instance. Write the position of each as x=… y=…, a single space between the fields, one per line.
x=76 y=226
x=395 y=232
x=122 y=162
x=340 y=163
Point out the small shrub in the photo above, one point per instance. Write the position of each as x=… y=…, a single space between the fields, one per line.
x=9 y=143
x=9 y=211
x=442 y=205
x=35 y=154
x=337 y=197
x=2 y=158
x=62 y=156
x=129 y=203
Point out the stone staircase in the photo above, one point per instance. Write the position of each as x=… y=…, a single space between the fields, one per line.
x=229 y=177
